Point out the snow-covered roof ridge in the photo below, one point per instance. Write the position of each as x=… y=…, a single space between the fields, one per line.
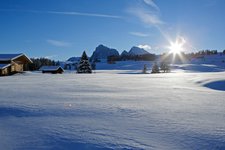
x=3 y=66
x=50 y=68
x=8 y=57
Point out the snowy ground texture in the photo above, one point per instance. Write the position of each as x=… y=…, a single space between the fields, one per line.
x=113 y=110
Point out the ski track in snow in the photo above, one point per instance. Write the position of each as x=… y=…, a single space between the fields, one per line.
x=112 y=110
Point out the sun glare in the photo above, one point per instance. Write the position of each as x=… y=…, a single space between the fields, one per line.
x=177 y=47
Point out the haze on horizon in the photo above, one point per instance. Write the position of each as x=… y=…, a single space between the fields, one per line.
x=59 y=29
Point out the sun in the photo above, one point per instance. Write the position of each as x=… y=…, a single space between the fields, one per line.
x=176 y=50
x=177 y=46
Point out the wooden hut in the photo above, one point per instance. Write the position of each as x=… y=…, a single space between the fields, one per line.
x=13 y=63
x=52 y=69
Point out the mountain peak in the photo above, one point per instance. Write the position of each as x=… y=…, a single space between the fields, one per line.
x=137 y=51
x=124 y=53
x=102 y=52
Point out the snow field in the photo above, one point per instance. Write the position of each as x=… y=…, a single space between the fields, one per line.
x=114 y=109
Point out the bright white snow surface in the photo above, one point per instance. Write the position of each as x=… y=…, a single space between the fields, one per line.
x=113 y=110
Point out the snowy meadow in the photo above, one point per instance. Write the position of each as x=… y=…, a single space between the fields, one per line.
x=114 y=109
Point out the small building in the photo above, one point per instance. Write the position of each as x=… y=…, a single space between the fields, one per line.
x=52 y=69
x=13 y=63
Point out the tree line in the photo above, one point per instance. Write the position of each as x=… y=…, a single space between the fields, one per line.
x=144 y=57
x=39 y=62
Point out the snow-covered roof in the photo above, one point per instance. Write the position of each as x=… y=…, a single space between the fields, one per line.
x=3 y=66
x=8 y=57
x=50 y=68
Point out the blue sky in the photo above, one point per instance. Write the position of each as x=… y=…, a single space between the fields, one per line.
x=59 y=29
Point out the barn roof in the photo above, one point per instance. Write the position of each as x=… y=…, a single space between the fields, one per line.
x=3 y=66
x=50 y=68
x=9 y=57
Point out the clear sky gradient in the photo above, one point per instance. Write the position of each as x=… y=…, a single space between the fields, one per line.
x=59 y=29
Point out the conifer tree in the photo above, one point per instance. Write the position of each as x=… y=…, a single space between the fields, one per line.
x=84 y=65
x=164 y=66
x=155 y=68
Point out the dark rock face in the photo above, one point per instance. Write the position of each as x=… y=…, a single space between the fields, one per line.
x=125 y=53
x=137 y=51
x=103 y=52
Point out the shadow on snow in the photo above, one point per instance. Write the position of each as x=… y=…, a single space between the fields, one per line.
x=217 y=85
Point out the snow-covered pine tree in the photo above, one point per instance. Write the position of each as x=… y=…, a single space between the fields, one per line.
x=84 y=65
x=155 y=68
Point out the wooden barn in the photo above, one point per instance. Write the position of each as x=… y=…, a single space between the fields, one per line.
x=13 y=63
x=52 y=69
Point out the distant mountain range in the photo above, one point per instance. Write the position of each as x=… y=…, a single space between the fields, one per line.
x=72 y=59
x=103 y=52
